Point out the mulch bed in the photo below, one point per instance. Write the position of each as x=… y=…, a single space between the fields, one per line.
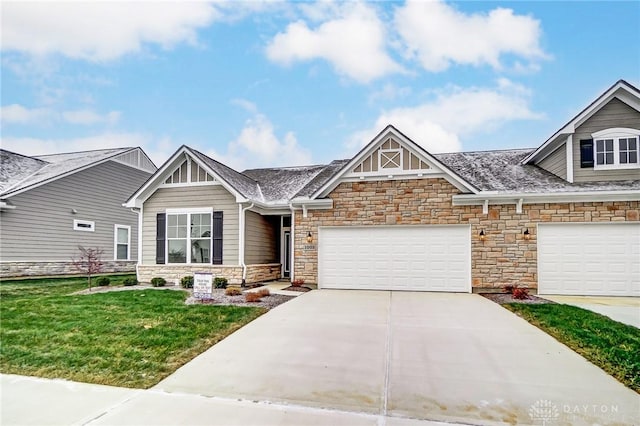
x=218 y=296
x=299 y=289
x=502 y=298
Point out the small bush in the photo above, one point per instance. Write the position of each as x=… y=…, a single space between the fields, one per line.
x=509 y=288
x=220 y=282
x=520 y=293
x=264 y=292
x=158 y=282
x=252 y=297
x=298 y=282
x=128 y=282
x=187 y=282
x=233 y=291
x=103 y=281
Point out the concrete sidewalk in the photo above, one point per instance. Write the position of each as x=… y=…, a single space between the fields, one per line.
x=35 y=401
x=622 y=309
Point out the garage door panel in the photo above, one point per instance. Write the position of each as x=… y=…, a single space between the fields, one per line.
x=589 y=259
x=431 y=258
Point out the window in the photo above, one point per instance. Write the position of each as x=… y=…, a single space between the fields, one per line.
x=616 y=148
x=189 y=237
x=84 y=225
x=122 y=242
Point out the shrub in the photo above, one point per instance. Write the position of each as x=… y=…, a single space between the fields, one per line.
x=103 y=281
x=264 y=292
x=520 y=293
x=252 y=297
x=187 y=282
x=233 y=291
x=158 y=282
x=220 y=282
x=509 y=288
x=298 y=282
x=128 y=282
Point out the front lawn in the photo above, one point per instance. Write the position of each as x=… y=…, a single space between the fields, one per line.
x=612 y=346
x=126 y=338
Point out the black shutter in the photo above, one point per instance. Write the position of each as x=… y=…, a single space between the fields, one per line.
x=217 y=238
x=586 y=153
x=161 y=229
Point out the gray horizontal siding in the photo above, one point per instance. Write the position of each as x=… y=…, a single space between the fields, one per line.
x=615 y=114
x=40 y=228
x=556 y=163
x=260 y=244
x=214 y=196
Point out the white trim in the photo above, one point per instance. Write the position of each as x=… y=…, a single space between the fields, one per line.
x=188 y=184
x=293 y=244
x=6 y=206
x=140 y=224
x=629 y=95
x=115 y=241
x=487 y=198
x=80 y=225
x=188 y=239
x=189 y=210
x=615 y=134
x=389 y=131
x=569 y=148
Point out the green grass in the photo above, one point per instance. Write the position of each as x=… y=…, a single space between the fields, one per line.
x=128 y=338
x=612 y=346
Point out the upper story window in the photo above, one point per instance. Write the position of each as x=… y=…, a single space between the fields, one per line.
x=616 y=148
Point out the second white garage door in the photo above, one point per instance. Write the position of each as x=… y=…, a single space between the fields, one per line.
x=589 y=259
x=416 y=258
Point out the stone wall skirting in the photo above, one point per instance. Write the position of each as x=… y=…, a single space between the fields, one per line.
x=174 y=273
x=504 y=257
x=43 y=269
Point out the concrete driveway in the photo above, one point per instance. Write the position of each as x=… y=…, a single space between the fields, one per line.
x=622 y=309
x=447 y=357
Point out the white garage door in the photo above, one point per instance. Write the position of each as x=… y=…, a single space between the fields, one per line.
x=589 y=259
x=417 y=258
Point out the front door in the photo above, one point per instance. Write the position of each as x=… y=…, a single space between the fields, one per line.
x=286 y=252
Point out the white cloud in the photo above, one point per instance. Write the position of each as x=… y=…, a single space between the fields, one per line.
x=18 y=114
x=456 y=113
x=352 y=39
x=389 y=92
x=438 y=35
x=100 y=31
x=157 y=150
x=257 y=145
x=88 y=117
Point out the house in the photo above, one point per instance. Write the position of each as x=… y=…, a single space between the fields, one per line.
x=560 y=219
x=51 y=204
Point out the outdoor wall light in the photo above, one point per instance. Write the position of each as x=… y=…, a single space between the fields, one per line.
x=481 y=235
x=527 y=235
x=309 y=237
x=74 y=211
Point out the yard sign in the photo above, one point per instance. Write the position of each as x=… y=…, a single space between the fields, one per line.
x=202 y=285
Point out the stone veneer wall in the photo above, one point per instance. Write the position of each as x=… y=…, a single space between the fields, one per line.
x=174 y=273
x=42 y=269
x=505 y=257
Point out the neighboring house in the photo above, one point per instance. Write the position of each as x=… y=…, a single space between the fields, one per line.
x=562 y=218
x=51 y=204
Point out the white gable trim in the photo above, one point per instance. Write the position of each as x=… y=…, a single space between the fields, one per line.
x=158 y=179
x=10 y=193
x=437 y=168
x=622 y=91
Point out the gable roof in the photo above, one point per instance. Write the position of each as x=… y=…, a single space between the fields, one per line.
x=621 y=90
x=21 y=173
x=390 y=130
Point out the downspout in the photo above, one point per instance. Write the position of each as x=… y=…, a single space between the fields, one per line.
x=292 y=242
x=140 y=217
x=242 y=240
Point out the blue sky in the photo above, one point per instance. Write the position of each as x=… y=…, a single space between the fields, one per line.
x=259 y=84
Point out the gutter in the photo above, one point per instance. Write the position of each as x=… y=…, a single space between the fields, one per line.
x=243 y=211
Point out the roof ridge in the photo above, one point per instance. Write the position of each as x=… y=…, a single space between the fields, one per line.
x=83 y=152
x=23 y=155
x=485 y=151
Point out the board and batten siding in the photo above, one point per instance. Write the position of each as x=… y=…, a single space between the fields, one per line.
x=189 y=197
x=40 y=228
x=556 y=163
x=260 y=244
x=614 y=114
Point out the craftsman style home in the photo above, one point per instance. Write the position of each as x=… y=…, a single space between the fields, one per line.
x=51 y=204
x=560 y=219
